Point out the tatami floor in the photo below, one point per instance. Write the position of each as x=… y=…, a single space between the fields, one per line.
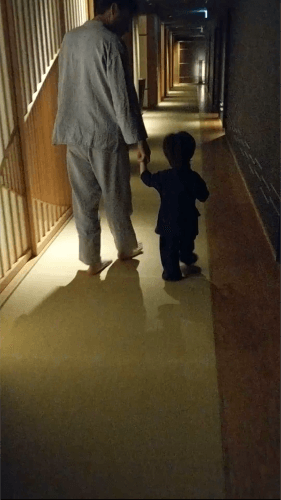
x=111 y=385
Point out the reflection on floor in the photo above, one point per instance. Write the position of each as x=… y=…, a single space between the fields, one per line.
x=110 y=384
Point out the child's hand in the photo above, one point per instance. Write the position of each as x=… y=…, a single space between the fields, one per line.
x=143 y=167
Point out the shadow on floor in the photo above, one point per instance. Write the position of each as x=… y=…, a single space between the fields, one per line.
x=96 y=405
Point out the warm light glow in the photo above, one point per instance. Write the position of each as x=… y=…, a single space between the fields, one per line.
x=177 y=104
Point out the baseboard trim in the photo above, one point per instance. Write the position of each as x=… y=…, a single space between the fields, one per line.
x=273 y=250
x=16 y=281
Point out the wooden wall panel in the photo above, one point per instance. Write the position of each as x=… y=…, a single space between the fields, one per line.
x=35 y=195
x=15 y=240
x=38 y=36
x=46 y=164
x=14 y=226
x=76 y=12
x=7 y=119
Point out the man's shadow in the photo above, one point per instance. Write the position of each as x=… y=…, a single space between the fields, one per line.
x=79 y=349
x=88 y=315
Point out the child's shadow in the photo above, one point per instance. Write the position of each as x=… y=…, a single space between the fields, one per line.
x=194 y=302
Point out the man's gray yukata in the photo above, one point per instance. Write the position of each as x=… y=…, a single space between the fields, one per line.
x=98 y=116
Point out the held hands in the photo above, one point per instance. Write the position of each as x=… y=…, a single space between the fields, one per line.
x=143 y=152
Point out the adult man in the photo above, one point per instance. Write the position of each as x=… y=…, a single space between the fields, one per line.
x=98 y=117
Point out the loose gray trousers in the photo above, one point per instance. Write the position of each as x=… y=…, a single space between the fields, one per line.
x=94 y=173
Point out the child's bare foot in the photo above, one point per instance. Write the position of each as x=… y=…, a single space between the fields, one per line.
x=97 y=268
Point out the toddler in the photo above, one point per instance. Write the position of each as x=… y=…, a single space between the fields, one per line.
x=179 y=188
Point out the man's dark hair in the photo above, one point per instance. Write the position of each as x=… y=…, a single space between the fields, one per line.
x=179 y=148
x=103 y=5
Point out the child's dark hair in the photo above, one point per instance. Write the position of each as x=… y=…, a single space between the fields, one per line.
x=179 y=148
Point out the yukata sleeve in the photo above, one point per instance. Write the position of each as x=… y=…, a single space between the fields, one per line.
x=152 y=180
x=125 y=99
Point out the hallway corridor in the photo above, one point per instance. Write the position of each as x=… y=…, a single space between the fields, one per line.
x=116 y=386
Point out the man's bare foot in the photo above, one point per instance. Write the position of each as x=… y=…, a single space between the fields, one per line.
x=132 y=254
x=97 y=268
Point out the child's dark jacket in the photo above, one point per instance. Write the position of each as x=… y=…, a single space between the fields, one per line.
x=179 y=190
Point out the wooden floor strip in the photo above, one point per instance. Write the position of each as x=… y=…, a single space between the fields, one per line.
x=245 y=296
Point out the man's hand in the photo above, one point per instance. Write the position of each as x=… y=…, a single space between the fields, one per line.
x=143 y=152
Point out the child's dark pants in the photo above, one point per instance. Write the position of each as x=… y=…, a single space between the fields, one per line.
x=174 y=249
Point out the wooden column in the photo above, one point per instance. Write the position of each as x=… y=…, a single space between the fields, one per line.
x=162 y=49
x=171 y=52
x=91 y=8
x=167 y=60
x=143 y=51
x=152 y=61
x=159 y=63
x=176 y=63
x=165 y=63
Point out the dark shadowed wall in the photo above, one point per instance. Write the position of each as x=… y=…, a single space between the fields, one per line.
x=252 y=105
